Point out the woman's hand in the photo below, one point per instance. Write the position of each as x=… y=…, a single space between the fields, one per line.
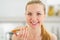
x=20 y=35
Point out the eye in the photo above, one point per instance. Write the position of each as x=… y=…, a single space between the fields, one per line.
x=30 y=14
x=39 y=14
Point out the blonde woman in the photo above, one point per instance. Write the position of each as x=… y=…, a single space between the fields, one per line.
x=35 y=15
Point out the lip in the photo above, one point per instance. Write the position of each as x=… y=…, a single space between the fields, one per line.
x=34 y=23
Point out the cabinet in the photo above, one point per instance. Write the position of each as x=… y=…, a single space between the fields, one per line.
x=53 y=19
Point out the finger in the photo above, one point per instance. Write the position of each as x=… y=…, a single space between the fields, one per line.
x=26 y=33
x=19 y=33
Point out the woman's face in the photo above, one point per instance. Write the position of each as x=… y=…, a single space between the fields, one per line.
x=35 y=15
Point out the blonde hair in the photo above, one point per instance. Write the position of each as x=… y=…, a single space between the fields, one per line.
x=36 y=2
x=44 y=33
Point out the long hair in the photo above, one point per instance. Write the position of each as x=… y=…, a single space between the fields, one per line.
x=44 y=32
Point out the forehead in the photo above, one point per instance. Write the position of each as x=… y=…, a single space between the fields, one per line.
x=35 y=7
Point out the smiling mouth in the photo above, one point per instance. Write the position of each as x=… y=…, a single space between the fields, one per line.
x=34 y=23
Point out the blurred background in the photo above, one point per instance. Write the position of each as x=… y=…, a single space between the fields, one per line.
x=12 y=16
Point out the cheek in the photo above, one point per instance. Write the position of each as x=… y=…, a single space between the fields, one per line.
x=41 y=19
x=28 y=18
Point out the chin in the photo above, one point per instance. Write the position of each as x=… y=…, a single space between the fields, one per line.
x=34 y=26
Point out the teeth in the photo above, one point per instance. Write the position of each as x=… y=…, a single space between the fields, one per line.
x=34 y=23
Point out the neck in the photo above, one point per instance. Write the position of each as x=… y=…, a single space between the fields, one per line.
x=36 y=31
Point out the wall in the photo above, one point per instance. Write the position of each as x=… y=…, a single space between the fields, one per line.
x=15 y=9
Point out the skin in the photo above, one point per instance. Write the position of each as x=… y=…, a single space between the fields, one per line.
x=34 y=17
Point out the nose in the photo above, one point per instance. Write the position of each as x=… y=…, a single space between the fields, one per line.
x=34 y=18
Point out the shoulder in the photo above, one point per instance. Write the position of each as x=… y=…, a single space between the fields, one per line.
x=53 y=37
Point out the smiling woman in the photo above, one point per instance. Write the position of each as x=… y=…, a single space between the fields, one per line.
x=35 y=30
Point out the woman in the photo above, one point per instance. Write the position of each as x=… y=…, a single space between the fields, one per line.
x=35 y=14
